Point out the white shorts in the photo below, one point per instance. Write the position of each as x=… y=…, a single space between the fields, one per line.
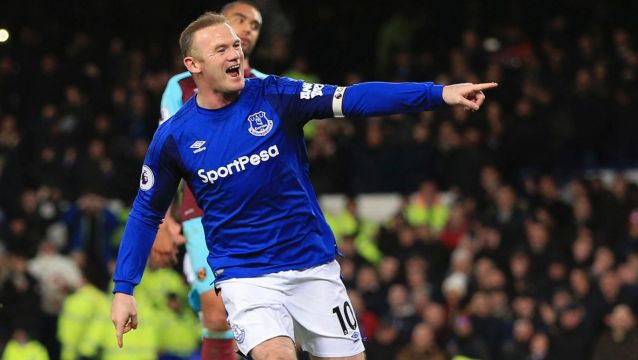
x=309 y=306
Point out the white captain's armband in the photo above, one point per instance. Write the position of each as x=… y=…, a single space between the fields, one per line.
x=337 y=101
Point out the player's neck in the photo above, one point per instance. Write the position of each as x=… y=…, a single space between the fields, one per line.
x=214 y=100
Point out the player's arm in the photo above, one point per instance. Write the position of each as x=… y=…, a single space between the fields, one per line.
x=307 y=101
x=158 y=182
x=377 y=98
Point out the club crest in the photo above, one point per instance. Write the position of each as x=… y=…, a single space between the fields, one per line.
x=260 y=125
x=201 y=274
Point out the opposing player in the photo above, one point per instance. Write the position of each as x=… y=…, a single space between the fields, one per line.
x=239 y=145
x=217 y=339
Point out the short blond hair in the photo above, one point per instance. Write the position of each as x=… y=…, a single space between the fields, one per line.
x=205 y=20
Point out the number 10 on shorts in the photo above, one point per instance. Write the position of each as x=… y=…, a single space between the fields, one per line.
x=350 y=318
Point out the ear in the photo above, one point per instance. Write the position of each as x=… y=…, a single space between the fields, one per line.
x=192 y=65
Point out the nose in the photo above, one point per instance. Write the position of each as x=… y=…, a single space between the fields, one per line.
x=246 y=28
x=234 y=55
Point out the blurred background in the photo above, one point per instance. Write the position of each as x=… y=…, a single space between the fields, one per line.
x=510 y=233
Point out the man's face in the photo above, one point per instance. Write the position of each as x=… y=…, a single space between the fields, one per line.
x=621 y=318
x=246 y=21
x=218 y=57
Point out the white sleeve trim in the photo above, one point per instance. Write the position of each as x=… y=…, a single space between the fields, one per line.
x=337 y=102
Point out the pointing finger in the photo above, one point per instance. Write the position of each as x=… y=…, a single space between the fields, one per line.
x=119 y=330
x=484 y=86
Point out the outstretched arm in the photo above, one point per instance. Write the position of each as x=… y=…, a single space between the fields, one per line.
x=372 y=98
x=303 y=101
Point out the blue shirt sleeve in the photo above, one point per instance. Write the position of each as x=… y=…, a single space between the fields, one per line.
x=300 y=101
x=379 y=98
x=172 y=97
x=303 y=101
x=158 y=183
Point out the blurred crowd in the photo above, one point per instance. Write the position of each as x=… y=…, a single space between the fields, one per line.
x=508 y=245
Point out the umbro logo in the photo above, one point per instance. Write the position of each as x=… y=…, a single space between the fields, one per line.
x=355 y=336
x=198 y=146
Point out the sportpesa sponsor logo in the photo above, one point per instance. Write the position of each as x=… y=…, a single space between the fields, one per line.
x=237 y=165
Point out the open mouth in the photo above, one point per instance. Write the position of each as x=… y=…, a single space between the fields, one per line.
x=233 y=71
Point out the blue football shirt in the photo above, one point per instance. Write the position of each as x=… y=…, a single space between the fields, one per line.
x=246 y=163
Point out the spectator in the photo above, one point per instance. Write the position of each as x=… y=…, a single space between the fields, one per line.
x=422 y=345
x=457 y=227
x=539 y=347
x=78 y=312
x=520 y=274
x=454 y=288
x=569 y=337
x=417 y=282
x=487 y=327
x=615 y=207
x=367 y=320
x=435 y=316
x=20 y=294
x=581 y=286
x=374 y=297
x=582 y=248
x=604 y=261
x=401 y=312
x=58 y=276
x=631 y=244
x=464 y=341
x=91 y=228
x=539 y=248
x=519 y=346
x=489 y=244
x=428 y=208
x=385 y=344
x=613 y=292
x=388 y=272
x=621 y=340
x=22 y=346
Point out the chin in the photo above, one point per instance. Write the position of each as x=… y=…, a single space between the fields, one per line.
x=237 y=85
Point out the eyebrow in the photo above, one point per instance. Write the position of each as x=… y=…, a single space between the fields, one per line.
x=220 y=46
x=245 y=17
x=238 y=14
